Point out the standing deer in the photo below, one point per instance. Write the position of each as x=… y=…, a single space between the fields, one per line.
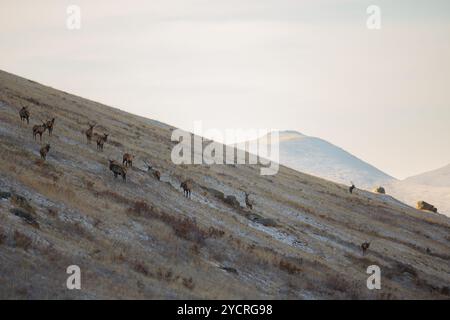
x=39 y=130
x=128 y=160
x=364 y=247
x=44 y=150
x=25 y=114
x=118 y=169
x=90 y=132
x=101 y=141
x=352 y=187
x=187 y=187
x=50 y=124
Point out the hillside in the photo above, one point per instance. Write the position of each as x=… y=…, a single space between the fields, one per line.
x=320 y=158
x=436 y=178
x=432 y=186
x=143 y=239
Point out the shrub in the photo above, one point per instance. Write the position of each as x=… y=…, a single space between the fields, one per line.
x=289 y=266
x=185 y=228
x=140 y=267
x=188 y=283
x=25 y=216
x=22 y=240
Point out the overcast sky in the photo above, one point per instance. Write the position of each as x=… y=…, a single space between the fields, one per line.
x=311 y=66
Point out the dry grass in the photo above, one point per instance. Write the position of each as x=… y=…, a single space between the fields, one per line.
x=143 y=231
x=289 y=266
x=21 y=240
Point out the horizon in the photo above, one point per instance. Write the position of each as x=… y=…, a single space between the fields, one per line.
x=311 y=67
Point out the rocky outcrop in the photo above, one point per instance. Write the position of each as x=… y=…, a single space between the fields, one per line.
x=379 y=190
x=422 y=205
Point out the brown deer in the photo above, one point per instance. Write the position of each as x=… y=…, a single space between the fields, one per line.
x=364 y=247
x=128 y=160
x=156 y=173
x=25 y=114
x=187 y=187
x=39 y=130
x=118 y=169
x=50 y=124
x=44 y=150
x=90 y=132
x=101 y=141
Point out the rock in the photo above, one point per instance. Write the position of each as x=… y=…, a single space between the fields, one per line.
x=229 y=270
x=232 y=201
x=25 y=216
x=5 y=195
x=216 y=193
x=380 y=190
x=422 y=205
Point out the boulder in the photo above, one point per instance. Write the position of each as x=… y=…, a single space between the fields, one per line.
x=232 y=201
x=422 y=205
x=380 y=190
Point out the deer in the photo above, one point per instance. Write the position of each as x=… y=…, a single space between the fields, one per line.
x=248 y=203
x=352 y=187
x=101 y=141
x=118 y=169
x=187 y=187
x=128 y=160
x=50 y=124
x=39 y=130
x=24 y=114
x=90 y=132
x=155 y=172
x=365 y=246
x=44 y=150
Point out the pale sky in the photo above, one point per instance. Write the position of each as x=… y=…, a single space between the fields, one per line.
x=311 y=66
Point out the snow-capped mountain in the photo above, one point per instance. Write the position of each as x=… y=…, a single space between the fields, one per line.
x=436 y=178
x=432 y=186
x=320 y=158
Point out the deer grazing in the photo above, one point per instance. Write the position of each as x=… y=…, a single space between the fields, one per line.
x=187 y=187
x=24 y=114
x=101 y=141
x=39 y=130
x=90 y=132
x=364 y=247
x=128 y=160
x=352 y=187
x=44 y=150
x=50 y=124
x=118 y=169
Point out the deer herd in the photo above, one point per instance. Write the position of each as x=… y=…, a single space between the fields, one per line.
x=120 y=169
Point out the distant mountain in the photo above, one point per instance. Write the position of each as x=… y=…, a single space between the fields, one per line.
x=432 y=186
x=435 y=178
x=323 y=159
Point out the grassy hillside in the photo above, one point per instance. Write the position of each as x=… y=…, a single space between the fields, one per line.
x=142 y=239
